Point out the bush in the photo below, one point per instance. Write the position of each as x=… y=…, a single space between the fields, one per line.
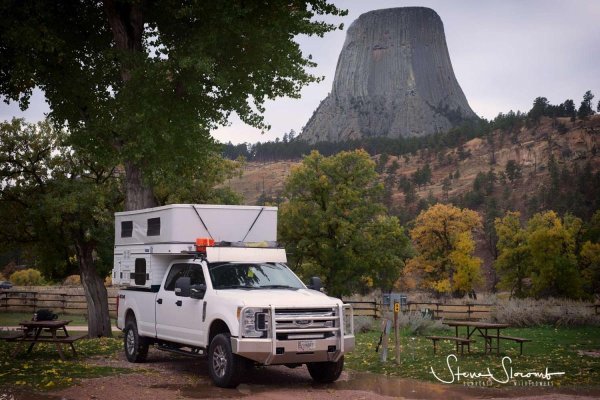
x=419 y=325
x=72 y=280
x=108 y=281
x=557 y=312
x=2 y=278
x=364 y=324
x=27 y=277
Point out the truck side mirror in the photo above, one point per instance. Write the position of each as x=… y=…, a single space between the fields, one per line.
x=315 y=283
x=197 y=291
x=182 y=286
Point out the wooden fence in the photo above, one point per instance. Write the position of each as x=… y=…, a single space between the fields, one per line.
x=75 y=303
x=31 y=301
x=435 y=309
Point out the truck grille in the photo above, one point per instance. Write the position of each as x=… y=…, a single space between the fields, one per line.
x=305 y=323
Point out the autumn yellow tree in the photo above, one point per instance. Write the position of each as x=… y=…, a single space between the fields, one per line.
x=544 y=252
x=443 y=239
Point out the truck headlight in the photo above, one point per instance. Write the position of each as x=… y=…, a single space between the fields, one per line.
x=255 y=322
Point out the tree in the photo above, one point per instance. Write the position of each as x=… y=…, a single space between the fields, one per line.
x=585 y=108
x=336 y=226
x=422 y=176
x=446 y=186
x=553 y=259
x=540 y=107
x=442 y=237
x=570 y=111
x=513 y=170
x=590 y=272
x=512 y=264
x=60 y=207
x=141 y=83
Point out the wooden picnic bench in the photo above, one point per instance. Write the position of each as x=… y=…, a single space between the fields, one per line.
x=460 y=341
x=514 y=339
x=11 y=336
x=32 y=334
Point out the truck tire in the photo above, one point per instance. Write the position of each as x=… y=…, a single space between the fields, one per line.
x=326 y=372
x=224 y=367
x=136 y=346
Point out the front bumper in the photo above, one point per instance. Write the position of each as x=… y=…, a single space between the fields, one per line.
x=264 y=351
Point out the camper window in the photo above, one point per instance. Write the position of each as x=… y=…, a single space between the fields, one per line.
x=140 y=271
x=153 y=227
x=126 y=228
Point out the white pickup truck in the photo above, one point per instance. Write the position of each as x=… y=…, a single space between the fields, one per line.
x=234 y=302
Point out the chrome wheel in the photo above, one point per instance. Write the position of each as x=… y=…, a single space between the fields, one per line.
x=130 y=341
x=219 y=361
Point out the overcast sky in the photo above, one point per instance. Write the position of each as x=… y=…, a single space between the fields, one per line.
x=504 y=53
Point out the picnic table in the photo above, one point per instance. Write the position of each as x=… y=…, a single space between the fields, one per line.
x=484 y=329
x=55 y=331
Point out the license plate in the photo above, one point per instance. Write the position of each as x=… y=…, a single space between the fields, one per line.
x=307 y=345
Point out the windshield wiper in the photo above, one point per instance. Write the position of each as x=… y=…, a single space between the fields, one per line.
x=235 y=287
x=278 y=287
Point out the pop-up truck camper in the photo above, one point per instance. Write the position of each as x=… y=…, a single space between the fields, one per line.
x=210 y=281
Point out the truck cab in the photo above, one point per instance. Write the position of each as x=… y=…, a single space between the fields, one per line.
x=236 y=303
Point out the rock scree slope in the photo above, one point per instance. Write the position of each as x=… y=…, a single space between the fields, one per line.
x=393 y=78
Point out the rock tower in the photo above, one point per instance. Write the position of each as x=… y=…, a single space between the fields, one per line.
x=393 y=78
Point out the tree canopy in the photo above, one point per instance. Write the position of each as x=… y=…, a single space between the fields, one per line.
x=548 y=256
x=442 y=236
x=141 y=83
x=336 y=226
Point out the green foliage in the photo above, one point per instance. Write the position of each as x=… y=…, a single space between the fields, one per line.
x=585 y=108
x=27 y=277
x=542 y=107
x=513 y=170
x=54 y=202
x=142 y=83
x=546 y=253
x=336 y=226
x=513 y=254
x=422 y=176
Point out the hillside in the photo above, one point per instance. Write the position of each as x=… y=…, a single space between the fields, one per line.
x=530 y=148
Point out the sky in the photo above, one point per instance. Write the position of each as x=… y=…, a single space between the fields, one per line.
x=504 y=54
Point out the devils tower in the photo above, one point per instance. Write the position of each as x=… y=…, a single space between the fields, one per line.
x=393 y=78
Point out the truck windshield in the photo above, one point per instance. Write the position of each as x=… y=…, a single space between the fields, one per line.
x=252 y=276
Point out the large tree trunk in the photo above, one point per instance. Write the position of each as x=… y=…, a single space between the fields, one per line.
x=126 y=20
x=95 y=293
x=138 y=195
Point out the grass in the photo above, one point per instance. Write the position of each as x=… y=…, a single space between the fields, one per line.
x=555 y=348
x=44 y=370
x=13 y=318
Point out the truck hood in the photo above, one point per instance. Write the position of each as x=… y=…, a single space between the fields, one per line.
x=278 y=297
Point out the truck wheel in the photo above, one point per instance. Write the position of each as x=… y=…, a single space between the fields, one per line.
x=224 y=367
x=326 y=372
x=136 y=346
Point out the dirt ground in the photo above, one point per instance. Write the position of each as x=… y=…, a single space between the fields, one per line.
x=169 y=377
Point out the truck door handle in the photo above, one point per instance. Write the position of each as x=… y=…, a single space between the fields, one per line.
x=159 y=301
x=179 y=303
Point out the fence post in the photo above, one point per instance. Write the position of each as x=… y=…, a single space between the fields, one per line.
x=63 y=301
x=35 y=299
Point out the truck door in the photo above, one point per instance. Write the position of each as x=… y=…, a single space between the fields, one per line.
x=179 y=319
